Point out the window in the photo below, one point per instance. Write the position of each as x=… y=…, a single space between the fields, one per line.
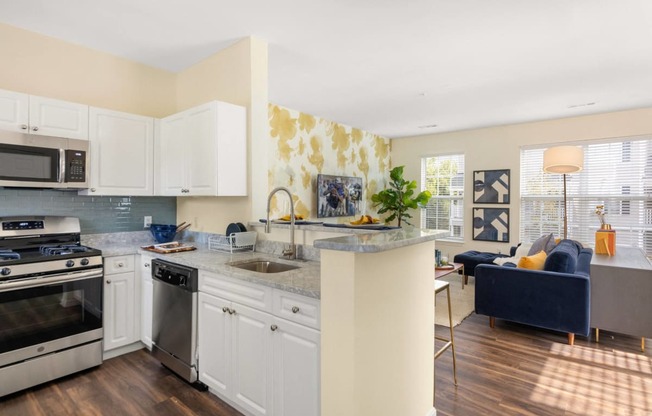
x=443 y=176
x=625 y=189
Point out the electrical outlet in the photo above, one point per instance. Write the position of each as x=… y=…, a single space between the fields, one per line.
x=148 y=221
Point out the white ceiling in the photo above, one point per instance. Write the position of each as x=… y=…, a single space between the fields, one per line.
x=390 y=66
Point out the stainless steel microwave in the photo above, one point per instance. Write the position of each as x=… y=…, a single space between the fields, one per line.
x=33 y=161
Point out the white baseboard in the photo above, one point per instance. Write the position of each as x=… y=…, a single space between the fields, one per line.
x=123 y=350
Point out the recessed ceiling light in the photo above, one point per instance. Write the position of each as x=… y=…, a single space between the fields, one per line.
x=581 y=105
x=429 y=126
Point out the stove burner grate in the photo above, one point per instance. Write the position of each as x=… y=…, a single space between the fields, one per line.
x=60 y=249
x=9 y=255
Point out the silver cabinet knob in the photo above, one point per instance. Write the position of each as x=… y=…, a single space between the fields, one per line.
x=225 y=309
x=35 y=128
x=273 y=327
x=23 y=126
x=295 y=309
x=146 y=264
x=232 y=311
x=93 y=189
x=121 y=265
x=108 y=281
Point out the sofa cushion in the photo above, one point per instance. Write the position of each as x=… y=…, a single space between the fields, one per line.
x=521 y=250
x=545 y=242
x=534 y=262
x=563 y=258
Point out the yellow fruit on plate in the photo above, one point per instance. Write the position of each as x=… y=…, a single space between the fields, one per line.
x=297 y=217
x=365 y=219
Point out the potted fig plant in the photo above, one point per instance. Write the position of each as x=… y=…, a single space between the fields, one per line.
x=399 y=197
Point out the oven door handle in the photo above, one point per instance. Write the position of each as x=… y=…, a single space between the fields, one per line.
x=48 y=280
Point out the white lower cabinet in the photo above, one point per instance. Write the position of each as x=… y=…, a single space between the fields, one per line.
x=146 y=300
x=235 y=353
x=296 y=369
x=120 y=307
x=263 y=364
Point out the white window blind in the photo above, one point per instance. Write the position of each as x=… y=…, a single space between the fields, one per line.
x=443 y=176
x=617 y=174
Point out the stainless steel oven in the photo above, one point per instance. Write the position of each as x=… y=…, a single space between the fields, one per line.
x=34 y=161
x=50 y=301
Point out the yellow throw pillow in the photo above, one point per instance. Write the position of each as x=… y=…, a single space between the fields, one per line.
x=533 y=262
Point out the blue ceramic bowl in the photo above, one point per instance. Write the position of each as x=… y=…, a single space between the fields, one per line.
x=163 y=233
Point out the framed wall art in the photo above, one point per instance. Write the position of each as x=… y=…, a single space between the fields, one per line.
x=491 y=186
x=491 y=224
x=338 y=196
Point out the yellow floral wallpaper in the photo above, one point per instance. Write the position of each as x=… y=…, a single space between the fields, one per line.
x=304 y=146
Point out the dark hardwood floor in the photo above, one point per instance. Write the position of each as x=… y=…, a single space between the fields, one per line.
x=131 y=384
x=520 y=370
x=509 y=370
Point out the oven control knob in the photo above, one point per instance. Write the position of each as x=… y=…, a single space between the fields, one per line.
x=6 y=271
x=70 y=263
x=84 y=262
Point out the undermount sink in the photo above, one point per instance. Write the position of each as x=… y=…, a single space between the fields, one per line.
x=264 y=266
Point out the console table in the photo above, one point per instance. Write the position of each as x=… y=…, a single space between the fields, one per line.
x=620 y=293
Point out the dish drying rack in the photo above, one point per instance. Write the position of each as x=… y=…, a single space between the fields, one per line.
x=244 y=241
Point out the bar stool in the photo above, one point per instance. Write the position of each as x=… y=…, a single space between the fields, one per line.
x=441 y=285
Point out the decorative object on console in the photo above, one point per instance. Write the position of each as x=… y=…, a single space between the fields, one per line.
x=339 y=196
x=605 y=237
x=564 y=160
x=491 y=224
x=398 y=199
x=491 y=186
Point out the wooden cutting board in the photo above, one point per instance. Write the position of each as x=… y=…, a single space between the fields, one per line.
x=167 y=248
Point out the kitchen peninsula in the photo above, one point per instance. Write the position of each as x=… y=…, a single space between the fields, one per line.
x=377 y=308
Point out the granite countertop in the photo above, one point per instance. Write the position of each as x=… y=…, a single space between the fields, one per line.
x=304 y=280
x=379 y=241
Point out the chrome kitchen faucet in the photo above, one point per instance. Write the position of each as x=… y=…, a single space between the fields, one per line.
x=291 y=251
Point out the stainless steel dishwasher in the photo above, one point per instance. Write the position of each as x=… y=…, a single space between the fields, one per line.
x=174 y=318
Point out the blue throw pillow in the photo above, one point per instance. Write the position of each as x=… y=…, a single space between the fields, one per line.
x=563 y=259
x=544 y=243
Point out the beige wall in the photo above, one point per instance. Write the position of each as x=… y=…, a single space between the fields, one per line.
x=237 y=75
x=499 y=148
x=377 y=337
x=40 y=65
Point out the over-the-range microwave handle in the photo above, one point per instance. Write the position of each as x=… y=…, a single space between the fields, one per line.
x=57 y=278
x=61 y=176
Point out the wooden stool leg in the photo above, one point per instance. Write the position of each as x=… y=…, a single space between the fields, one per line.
x=642 y=344
x=450 y=322
x=597 y=335
x=492 y=321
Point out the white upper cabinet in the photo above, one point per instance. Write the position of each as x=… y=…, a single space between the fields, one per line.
x=122 y=153
x=203 y=151
x=43 y=116
x=14 y=111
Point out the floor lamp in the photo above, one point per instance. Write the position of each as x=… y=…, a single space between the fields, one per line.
x=564 y=160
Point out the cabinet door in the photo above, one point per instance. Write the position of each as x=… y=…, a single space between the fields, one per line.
x=119 y=310
x=252 y=359
x=296 y=370
x=201 y=156
x=214 y=346
x=122 y=153
x=173 y=142
x=50 y=117
x=14 y=110
x=146 y=300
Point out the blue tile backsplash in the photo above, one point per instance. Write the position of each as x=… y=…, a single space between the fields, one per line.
x=97 y=214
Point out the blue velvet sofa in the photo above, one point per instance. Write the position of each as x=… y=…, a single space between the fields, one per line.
x=557 y=297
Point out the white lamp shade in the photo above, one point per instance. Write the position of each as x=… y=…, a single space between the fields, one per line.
x=563 y=159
